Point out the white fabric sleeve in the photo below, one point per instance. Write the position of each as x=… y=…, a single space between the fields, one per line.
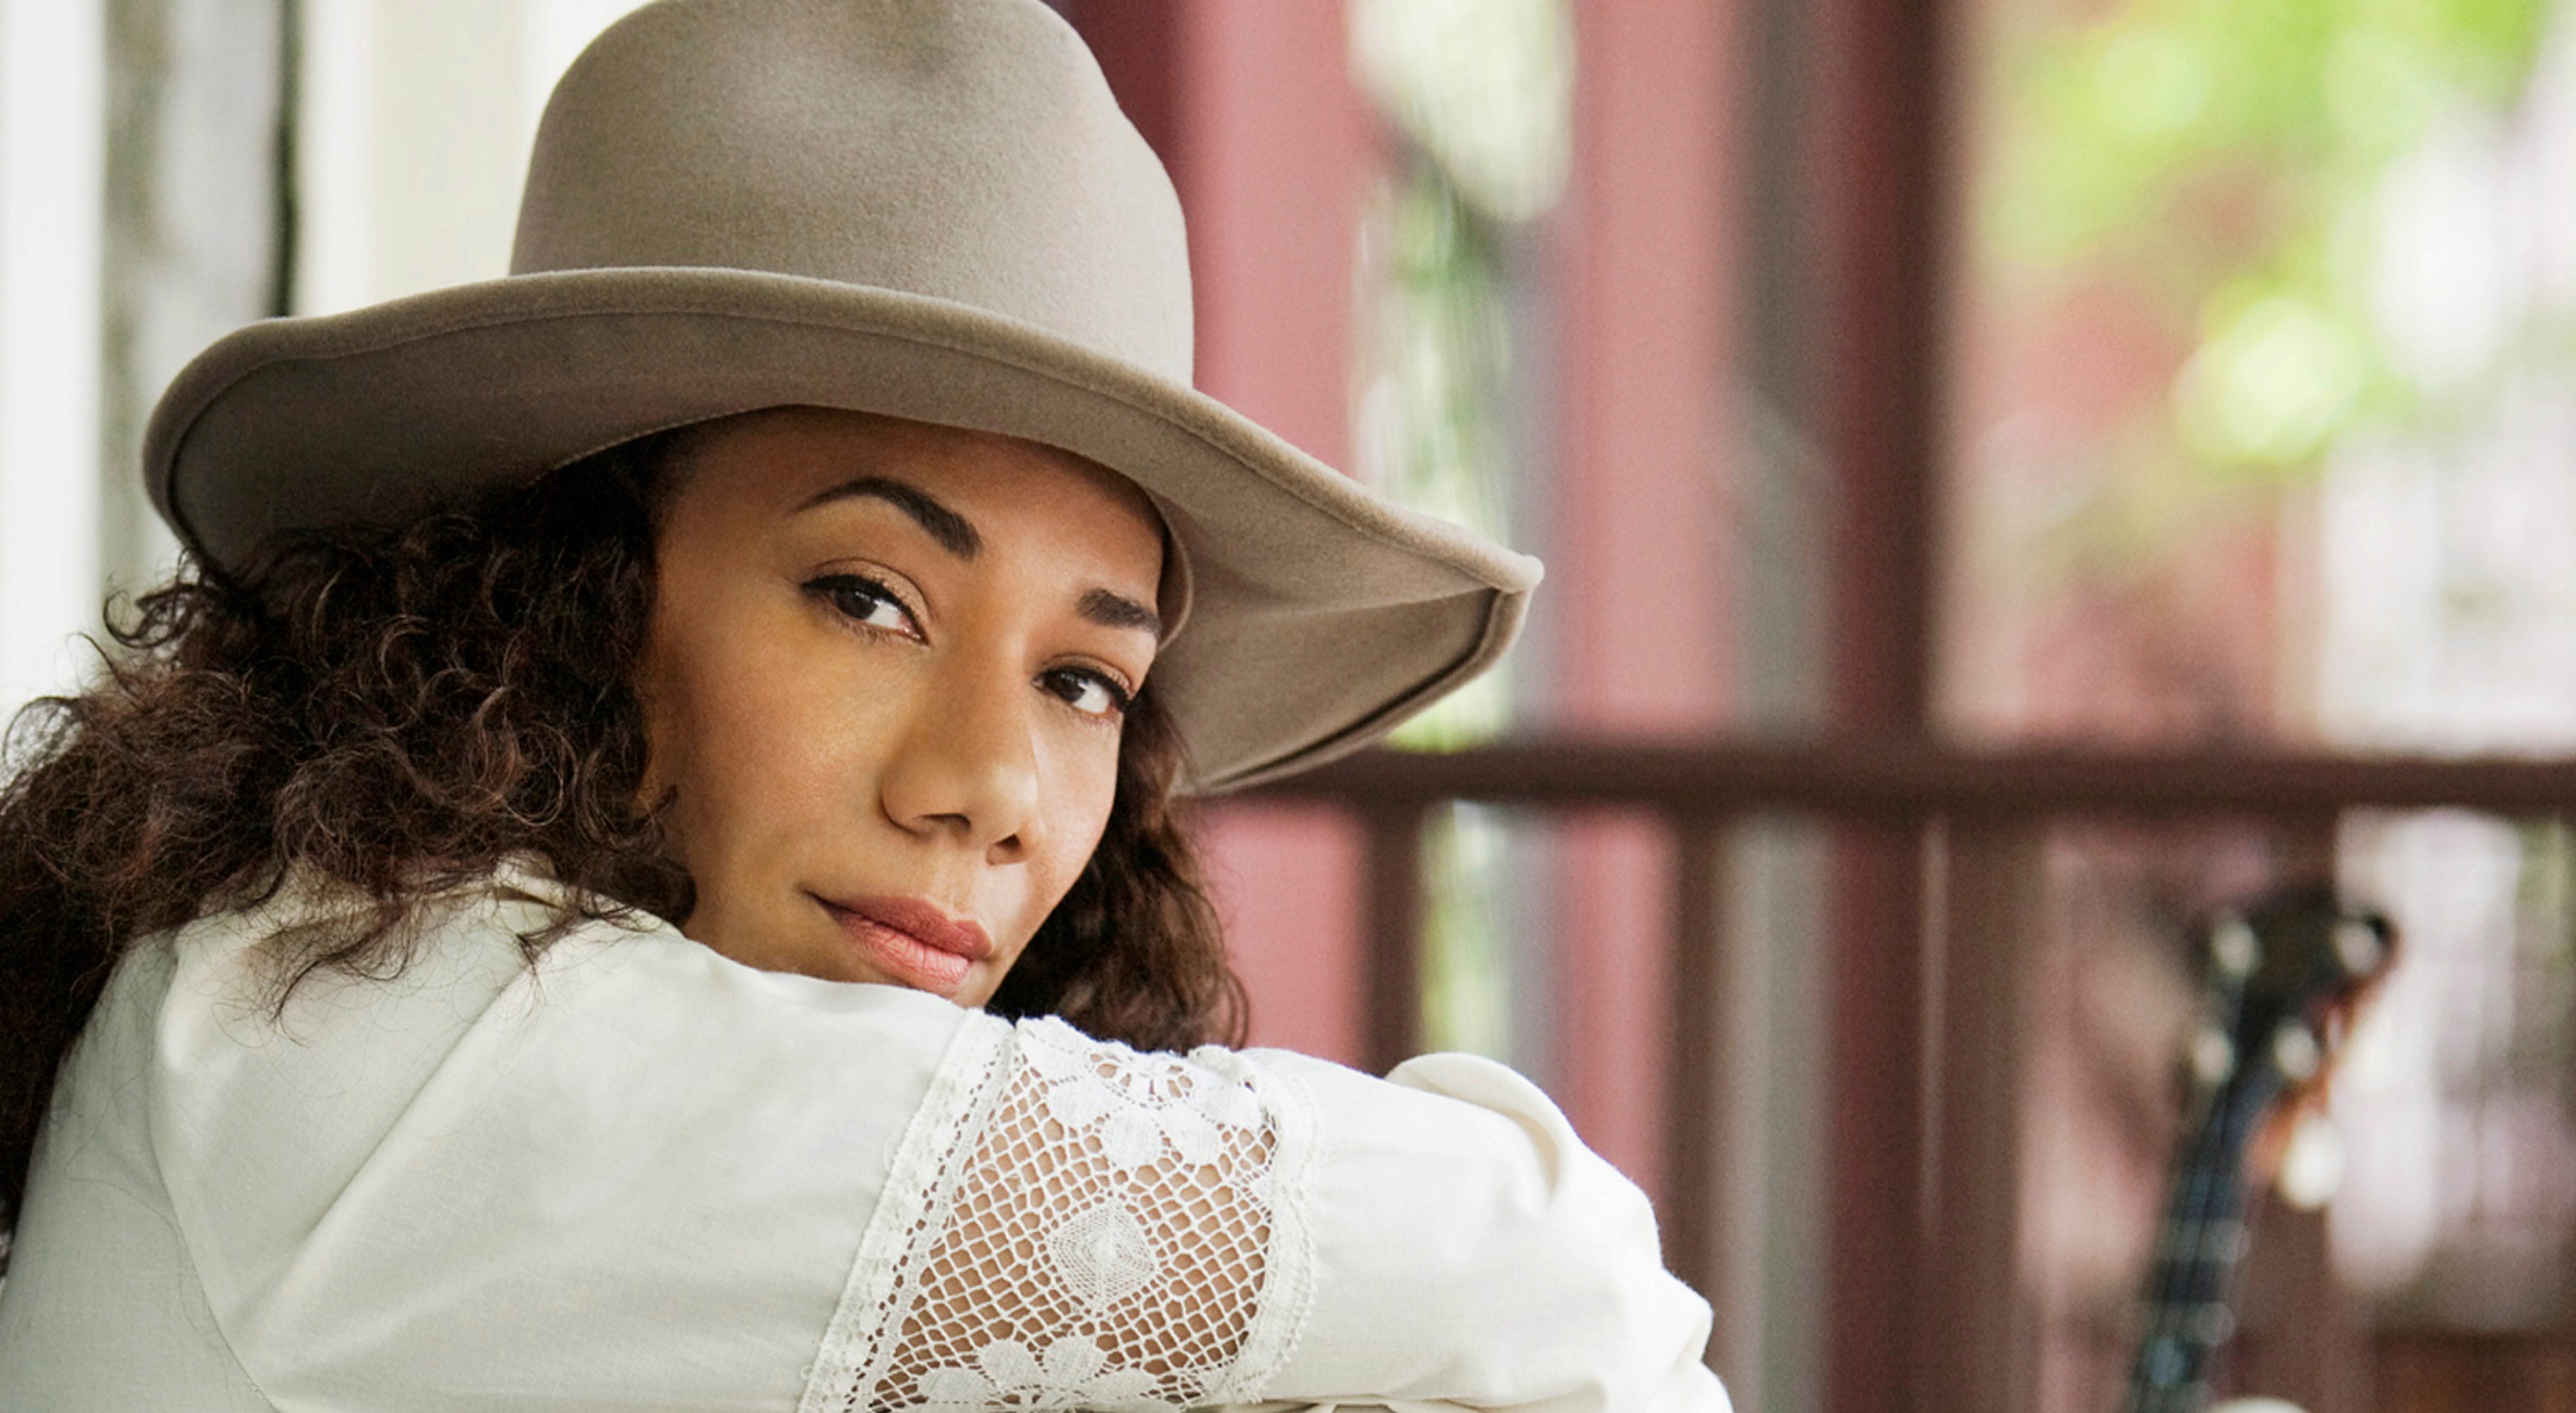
x=1093 y=1228
x=634 y=1176
x=639 y=1176
x=1472 y=1251
x=1077 y=1225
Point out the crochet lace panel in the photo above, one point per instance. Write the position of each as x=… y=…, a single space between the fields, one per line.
x=1072 y=1224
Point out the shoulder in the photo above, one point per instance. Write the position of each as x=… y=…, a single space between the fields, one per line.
x=323 y=934
x=1139 y=1103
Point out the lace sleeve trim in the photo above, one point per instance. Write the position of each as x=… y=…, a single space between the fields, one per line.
x=1072 y=1224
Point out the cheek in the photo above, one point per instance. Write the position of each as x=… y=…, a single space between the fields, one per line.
x=748 y=738
x=1081 y=815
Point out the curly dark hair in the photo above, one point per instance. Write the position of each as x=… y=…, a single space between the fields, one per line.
x=403 y=709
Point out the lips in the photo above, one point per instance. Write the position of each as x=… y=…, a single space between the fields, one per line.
x=915 y=943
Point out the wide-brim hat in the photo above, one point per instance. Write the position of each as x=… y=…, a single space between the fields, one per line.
x=929 y=209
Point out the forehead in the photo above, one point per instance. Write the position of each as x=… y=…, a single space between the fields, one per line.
x=772 y=463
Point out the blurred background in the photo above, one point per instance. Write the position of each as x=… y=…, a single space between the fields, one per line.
x=2018 y=478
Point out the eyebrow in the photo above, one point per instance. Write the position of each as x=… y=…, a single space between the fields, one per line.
x=959 y=537
x=949 y=528
x=1111 y=610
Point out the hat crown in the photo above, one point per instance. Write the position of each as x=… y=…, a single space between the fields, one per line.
x=966 y=150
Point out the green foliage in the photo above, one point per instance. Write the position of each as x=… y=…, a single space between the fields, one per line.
x=2214 y=161
x=1466 y=941
x=2110 y=131
x=1480 y=97
x=1430 y=417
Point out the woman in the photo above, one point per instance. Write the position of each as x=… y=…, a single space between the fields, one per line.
x=810 y=567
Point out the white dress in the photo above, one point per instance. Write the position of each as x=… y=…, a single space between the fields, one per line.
x=638 y=1176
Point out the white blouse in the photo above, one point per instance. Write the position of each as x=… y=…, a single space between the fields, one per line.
x=639 y=1176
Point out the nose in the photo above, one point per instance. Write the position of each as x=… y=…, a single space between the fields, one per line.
x=967 y=766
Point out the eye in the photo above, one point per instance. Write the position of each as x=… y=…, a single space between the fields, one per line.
x=1087 y=691
x=867 y=603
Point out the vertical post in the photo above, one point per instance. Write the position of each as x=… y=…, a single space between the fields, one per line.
x=1981 y=886
x=1875 y=1302
x=1391 y=962
x=1877 y=402
x=1643 y=487
x=1883 y=147
x=286 y=206
x=53 y=84
x=1138 y=45
x=1880 y=152
x=1695 y=1239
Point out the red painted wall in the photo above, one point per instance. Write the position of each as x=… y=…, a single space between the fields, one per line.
x=1639 y=554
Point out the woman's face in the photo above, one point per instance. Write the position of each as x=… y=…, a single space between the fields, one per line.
x=883 y=683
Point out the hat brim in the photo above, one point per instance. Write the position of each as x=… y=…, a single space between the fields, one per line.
x=1320 y=615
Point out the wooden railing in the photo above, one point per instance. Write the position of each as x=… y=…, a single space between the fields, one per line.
x=1698 y=789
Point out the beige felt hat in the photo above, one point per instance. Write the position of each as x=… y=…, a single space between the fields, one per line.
x=929 y=209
